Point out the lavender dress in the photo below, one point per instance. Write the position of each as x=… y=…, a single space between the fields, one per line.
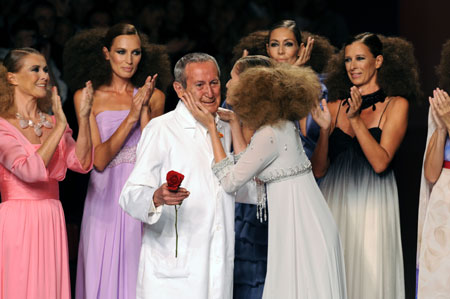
x=110 y=240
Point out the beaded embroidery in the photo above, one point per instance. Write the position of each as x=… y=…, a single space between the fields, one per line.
x=221 y=169
x=281 y=174
x=125 y=155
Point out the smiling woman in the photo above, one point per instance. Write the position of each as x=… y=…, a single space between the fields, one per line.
x=354 y=153
x=35 y=151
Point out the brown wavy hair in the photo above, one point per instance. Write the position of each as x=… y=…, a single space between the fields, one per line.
x=398 y=75
x=84 y=60
x=255 y=44
x=443 y=69
x=12 y=63
x=321 y=53
x=250 y=61
x=266 y=95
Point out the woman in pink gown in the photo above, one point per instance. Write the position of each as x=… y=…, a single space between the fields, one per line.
x=35 y=151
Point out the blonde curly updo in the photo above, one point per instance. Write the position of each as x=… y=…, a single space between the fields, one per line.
x=266 y=95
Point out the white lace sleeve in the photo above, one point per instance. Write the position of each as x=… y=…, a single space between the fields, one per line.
x=260 y=153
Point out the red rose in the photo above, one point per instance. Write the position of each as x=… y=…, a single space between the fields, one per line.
x=174 y=180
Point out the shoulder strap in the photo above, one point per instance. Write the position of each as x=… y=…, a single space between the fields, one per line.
x=382 y=113
x=337 y=115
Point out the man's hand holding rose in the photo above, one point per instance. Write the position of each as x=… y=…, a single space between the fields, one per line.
x=163 y=196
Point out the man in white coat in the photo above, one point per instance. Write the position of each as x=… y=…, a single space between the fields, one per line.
x=203 y=268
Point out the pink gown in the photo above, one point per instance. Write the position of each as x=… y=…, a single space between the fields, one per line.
x=33 y=242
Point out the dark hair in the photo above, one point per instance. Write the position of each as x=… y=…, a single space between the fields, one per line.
x=321 y=52
x=84 y=60
x=371 y=40
x=254 y=43
x=399 y=75
x=116 y=30
x=250 y=61
x=12 y=63
x=288 y=24
x=443 y=69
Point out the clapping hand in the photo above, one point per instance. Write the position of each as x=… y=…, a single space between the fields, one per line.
x=198 y=111
x=142 y=97
x=322 y=116
x=354 y=102
x=440 y=108
x=87 y=96
x=304 y=53
x=57 y=108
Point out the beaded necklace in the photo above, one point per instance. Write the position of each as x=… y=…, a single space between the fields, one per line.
x=25 y=123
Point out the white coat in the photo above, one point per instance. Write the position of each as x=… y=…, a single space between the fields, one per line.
x=204 y=266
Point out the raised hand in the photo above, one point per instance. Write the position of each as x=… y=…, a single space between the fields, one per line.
x=227 y=115
x=304 y=53
x=142 y=97
x=150 y=82
x=198 y=111
x=87 y=96
x=354 y=102
x=244 y=53
x=440 y=105
x=322 y=115
x=57 y=108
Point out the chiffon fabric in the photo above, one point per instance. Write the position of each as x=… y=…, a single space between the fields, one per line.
x=433 y=250
x=110 y=241
x=304 y=250
x=33 y=242
x=365 y=207
x=250 y=254
x=250 y=261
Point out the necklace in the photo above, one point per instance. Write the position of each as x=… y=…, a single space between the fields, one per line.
x=25 y=123
x=369 y=100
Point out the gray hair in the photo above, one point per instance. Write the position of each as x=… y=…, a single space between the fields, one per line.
x=180 y=66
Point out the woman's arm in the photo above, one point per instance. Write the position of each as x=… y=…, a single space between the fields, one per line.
x=319 y=160
x=380 y=154
x=48 y=147
x=154 y=108
x=83 y=148
x=239 y=141
x=105 y=152
x=262 y=152
x=434 y=158
x=202 y=115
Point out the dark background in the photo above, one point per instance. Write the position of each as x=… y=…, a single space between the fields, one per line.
x=215 y=27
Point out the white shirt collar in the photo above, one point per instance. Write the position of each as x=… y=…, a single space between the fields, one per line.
x=187 y=120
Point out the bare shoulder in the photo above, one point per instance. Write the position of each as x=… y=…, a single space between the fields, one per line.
x=334 y=107
x=398 y=105
x=101 y=101
x=157 y=96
